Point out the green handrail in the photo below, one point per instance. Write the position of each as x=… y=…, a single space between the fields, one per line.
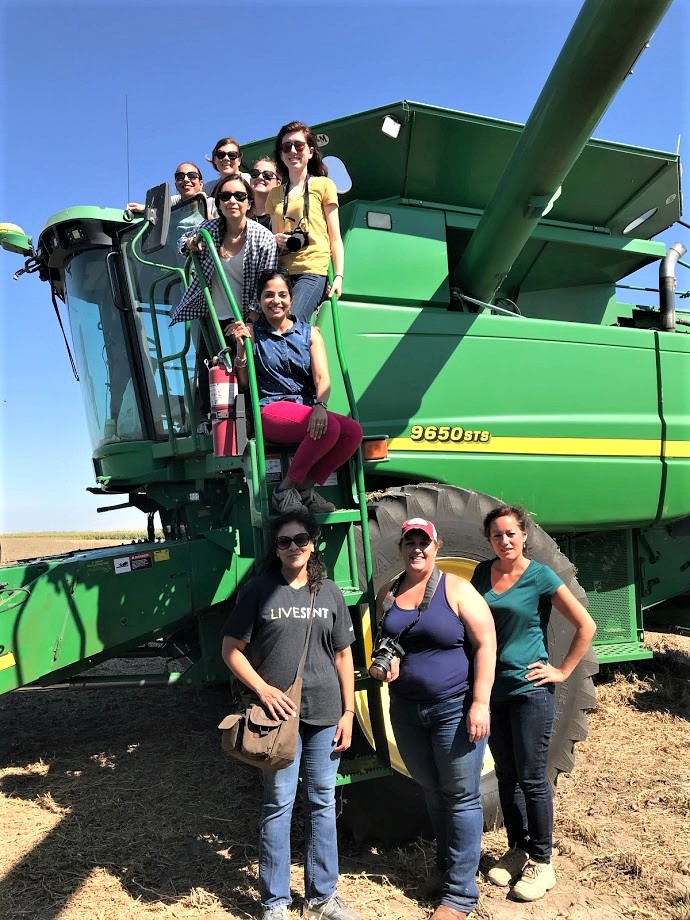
x=359 y=468
x=259 y=469
x=373 y=692
x=168 y=271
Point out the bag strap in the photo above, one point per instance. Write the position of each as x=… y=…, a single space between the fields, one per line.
x=389 y=600
x=302 y=661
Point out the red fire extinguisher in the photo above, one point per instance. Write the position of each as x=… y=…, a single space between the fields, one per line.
x=223 y=389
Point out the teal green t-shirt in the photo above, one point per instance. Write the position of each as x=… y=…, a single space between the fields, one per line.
x=521 y=616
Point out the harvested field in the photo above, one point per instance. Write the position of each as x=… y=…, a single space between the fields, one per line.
x=28 y=546
x=119 y=804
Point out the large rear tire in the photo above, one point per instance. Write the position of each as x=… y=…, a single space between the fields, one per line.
x=458 y=515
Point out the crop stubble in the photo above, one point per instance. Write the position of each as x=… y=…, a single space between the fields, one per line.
x=119 y=804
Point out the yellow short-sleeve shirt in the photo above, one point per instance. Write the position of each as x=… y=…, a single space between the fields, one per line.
x=313 y=258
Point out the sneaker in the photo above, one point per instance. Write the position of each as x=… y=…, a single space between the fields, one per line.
x=508 y=867
x=333 y=909
x=275 y=913
x=286 y=500
x=316 y=503
x=537 y=878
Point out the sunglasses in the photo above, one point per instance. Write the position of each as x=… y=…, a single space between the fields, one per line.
x=238 y=196
x=266 y=173
x=287 y=146
x=179 y=176
x=226 y=155
x=300 y=540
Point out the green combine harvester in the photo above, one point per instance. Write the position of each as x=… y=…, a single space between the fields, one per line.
x=479 y=341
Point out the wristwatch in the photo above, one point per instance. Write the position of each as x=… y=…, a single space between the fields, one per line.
x=320 y=402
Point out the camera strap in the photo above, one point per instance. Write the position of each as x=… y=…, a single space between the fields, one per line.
x=305 y=208
x=389 y=600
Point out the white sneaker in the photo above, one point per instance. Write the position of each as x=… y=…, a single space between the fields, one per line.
x=287 y=500
x=536 y=879
x=275 y=913
x=508 y=867
x=316 y=503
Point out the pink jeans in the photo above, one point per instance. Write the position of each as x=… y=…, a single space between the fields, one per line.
x=286 y=423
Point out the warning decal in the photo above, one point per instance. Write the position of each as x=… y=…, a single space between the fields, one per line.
x=132 y=563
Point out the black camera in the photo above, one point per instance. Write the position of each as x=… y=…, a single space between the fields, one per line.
x=386 y=650
x=296 y=240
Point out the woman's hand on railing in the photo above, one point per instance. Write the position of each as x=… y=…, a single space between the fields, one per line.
x=239 y=331
x=194 y=245
x=335 y=287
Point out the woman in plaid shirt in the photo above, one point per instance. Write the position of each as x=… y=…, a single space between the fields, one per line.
x=245 y=249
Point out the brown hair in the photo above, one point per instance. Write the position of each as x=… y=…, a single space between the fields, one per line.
x=315 y=166
x=521 y=516
x=221 y=143
x=235 y=177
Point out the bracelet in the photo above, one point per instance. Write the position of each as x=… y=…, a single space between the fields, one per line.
x=348 y=710
x=338 y=276
x=320 y=402
x=238 y=362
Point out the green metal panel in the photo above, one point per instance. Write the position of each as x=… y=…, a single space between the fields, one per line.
x=562 y=416
x=456 y=158
x=674 y=367
x=605 y=569
x=409 y=262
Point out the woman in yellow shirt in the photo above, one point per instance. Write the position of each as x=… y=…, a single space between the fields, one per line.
x=304 y=217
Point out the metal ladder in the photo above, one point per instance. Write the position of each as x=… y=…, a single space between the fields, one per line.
x=348 y=558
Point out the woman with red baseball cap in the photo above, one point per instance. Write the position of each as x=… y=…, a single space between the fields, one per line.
x=436 y=645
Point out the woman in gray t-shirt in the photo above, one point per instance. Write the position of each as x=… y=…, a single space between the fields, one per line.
x=263 y=641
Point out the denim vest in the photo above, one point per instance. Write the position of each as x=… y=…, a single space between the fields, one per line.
x=283 y=363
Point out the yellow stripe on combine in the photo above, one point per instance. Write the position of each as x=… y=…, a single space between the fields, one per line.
x=676 y=449
x=558 y=447
x=7 y=661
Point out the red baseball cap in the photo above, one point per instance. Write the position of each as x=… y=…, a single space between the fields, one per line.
x=420 y=524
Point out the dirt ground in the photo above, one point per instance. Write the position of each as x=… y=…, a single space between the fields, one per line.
x=120 y=804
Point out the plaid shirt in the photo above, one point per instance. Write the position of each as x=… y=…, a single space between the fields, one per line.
x=260 y=253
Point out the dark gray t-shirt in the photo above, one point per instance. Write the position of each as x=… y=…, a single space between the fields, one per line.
x=271 y=617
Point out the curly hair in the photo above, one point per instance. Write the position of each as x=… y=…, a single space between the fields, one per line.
x=315 y=166
x=316 y=570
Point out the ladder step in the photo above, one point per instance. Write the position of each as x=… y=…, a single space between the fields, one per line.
x=336 y=517
x=356 y=769
x=364 y=680
x=353 y=596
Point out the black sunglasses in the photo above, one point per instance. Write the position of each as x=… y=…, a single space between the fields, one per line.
x=179 y=176
x=238 y=196
x=287 y=146
x=300 y=539
x=226 y=155
x=266 y=173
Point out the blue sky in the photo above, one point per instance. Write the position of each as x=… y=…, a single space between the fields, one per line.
x=195 y=72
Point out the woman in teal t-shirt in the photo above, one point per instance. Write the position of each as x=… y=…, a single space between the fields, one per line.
x=520 y=593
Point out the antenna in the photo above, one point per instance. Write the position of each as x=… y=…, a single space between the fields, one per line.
x=129 y=198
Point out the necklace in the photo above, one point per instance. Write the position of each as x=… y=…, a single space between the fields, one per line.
x=224 y=254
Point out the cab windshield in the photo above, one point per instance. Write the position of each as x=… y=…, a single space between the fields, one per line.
x=168 y=354
x=101 y=354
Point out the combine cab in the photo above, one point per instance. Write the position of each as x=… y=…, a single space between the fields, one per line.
x=479 y=340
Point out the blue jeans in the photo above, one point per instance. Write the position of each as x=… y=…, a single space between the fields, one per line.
x=520 y=734
x=307 y=294
x=432 y=740
x=317 y=765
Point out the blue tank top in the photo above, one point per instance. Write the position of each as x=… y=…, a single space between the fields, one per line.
x=283 y=363
x=435 y=666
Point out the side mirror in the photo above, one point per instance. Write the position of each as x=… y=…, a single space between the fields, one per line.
x=157 y=213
